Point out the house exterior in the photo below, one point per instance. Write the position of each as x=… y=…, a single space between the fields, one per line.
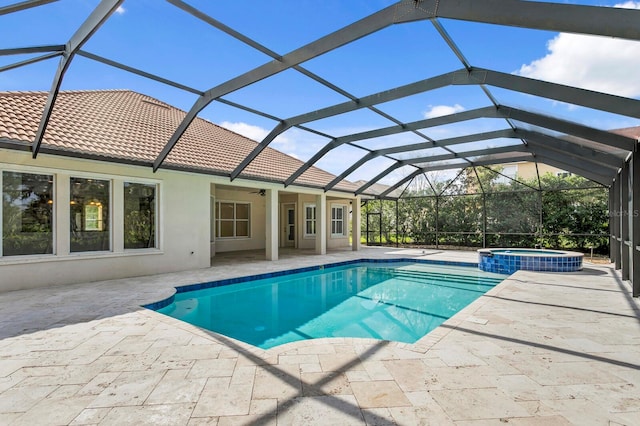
x=89 y=207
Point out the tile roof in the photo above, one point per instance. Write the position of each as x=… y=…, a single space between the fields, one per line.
x=123 y=125
x=630 y=132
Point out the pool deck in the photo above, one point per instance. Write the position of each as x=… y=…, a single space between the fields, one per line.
x=538 y=349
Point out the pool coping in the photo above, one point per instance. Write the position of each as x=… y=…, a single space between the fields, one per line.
x=530 y=252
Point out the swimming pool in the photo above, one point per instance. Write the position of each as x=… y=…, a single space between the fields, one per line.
x=400 y=301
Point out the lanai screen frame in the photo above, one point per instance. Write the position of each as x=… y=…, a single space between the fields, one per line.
x=600 y=160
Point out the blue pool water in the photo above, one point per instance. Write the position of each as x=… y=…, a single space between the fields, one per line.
x=399 y=301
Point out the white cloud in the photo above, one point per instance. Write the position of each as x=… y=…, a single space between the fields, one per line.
x=120 y=10
x=602 y=64
x=439 y=110
x=256 y=133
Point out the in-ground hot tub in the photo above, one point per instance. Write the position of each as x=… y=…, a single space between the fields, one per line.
x=509 y=260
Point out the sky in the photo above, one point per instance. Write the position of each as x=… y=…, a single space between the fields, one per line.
x=159 y=38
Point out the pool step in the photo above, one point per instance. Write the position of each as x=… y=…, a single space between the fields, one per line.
x=431 y=277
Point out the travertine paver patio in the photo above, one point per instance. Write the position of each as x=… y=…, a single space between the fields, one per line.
x=537 y=349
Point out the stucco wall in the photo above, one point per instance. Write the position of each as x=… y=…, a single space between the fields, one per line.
x=183 y=237
x=257 y=239
x=338 y=241
x=184 y=223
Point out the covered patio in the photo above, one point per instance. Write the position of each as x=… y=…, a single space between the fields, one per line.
x=539 y=348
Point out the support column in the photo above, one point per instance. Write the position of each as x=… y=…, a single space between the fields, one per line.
x=615 y=248
x=117 y=224
x=437 y=219
x=612 y=237
x=62 y=228
x=355 y=224
x=624 y=218
x=484 y=220
x=321 y=224
x=271 y=217
x=635 y=223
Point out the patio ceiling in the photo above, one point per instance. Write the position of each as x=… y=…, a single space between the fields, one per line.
x=369 y=104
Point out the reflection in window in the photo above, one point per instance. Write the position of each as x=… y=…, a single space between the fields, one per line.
x=27 y=211
x=139 y=215
x=90 y=200
x=232 y=220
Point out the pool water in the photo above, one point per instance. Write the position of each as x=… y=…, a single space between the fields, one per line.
x=389 y=301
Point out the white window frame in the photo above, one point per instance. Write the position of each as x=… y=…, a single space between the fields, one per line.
x=311 y=220
x=343 y=220
x=234 y=220
x=83 y=175
x=121 y=180
x=158 y=207
x=38 y=171
x=113 y=179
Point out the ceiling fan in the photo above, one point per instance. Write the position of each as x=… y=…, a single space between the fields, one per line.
x=260 y=192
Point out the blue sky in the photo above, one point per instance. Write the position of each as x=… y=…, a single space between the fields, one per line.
x=159 y=38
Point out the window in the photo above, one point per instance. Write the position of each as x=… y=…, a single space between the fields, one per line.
x=507 y=174
x=309 y=220
x=139 y=215
x=27 y=214
x=90 y=200
x=338 y=227
x=232 y=220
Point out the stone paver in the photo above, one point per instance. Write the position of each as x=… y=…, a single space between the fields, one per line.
x=538 y=349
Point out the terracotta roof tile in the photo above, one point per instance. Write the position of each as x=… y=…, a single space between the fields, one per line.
x=125 y=125
x=630 y=132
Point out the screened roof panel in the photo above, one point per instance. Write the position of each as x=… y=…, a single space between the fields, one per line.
x=18 y=29
x=468 y=127
x=293 y=91
x=566 y=111
x=451 y=164
x=353 y=122
x=580 y=141
x=373 y=63
x=171 y=53
x=340 y=158
x=436 y=151
x=499 y=158
x=397 y=175
x=373 y=168
x=487 y=144
x=400 y=139
x=497 y=47
x=410 y=51
x=38 y=74
x=299 y=143
x=106 y=77
x=296 y=25
x=438 y=102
